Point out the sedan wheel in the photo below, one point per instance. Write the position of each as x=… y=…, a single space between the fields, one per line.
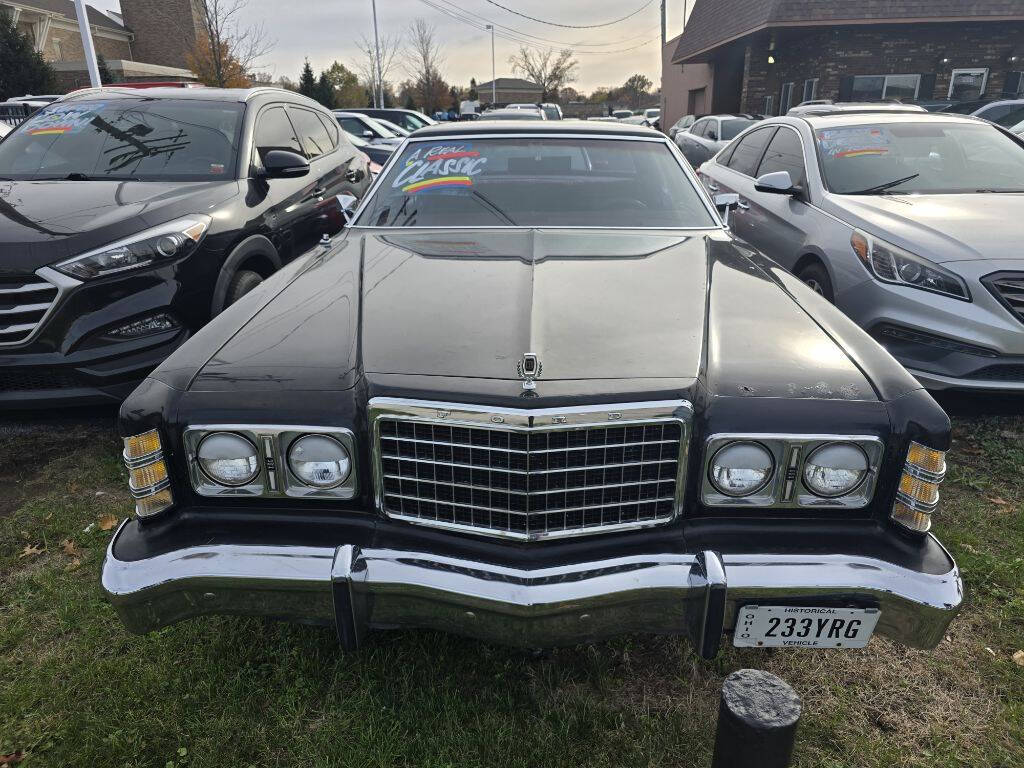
x=816 y=276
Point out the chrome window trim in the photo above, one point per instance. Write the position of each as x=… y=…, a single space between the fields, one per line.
x=786 y=490
x=64 y=285
x=275 y=478
x=657 y=139
x=529 y=420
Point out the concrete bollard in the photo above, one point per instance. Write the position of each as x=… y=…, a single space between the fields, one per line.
x=757 y=721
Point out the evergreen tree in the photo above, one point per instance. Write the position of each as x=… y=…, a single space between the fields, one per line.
x=22 y=70
x=325 y=93
x=307 y=81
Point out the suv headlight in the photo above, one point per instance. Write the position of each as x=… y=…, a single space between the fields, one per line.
x=891 y=264
x=167 y=242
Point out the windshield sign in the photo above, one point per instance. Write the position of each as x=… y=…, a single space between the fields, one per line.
x=923 y=157
x=536 y=182
x=141 y=139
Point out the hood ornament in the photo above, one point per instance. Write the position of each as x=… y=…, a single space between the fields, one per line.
x=528 y=369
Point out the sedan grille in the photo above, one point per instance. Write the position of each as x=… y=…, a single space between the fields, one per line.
x=530 y=483
x=24 y=301
x=1008 y=287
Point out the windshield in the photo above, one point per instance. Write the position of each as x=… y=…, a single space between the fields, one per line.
x=536 y=182
x=733 y=128
x=512 y=114
x=1011 y=118
x=144 y=139
x=926 y=157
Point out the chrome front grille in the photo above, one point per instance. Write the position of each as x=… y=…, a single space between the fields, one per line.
x=24 y=302
x=530 y=475
x=1008 y=287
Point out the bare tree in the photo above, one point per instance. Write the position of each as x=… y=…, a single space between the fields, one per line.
x=366 y=66
x=423 y=60
x=547 y=69
x=226 y=50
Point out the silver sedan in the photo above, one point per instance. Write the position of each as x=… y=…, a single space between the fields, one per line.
x=910 y=222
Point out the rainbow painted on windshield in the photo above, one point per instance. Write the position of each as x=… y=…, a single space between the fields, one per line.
x=443 y=181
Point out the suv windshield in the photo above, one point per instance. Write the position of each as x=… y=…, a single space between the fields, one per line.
x=145 y=139
x=925 y=157
x=536 y=182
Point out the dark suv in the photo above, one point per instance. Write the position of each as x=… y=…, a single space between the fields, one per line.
x=129 y=218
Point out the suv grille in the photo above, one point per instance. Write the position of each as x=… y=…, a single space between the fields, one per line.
x=22 y=379
x=530 y=483
x=24 y=301
x=1008 y=287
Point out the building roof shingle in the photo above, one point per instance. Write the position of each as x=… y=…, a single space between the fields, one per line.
x=714 y=22
x=510 y=84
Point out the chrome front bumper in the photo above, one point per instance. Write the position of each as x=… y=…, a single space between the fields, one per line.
x=359 y=589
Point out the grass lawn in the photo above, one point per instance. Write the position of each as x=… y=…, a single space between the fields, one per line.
x=77 y=690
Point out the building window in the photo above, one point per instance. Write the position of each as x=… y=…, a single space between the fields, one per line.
x=880 y=87
x=769 y=105
x=810 y=89
x=786 y=98
x=967 y=84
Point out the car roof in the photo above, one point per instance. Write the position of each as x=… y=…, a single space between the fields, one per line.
x=571 y=127
x=873 y=118
x=191 y=94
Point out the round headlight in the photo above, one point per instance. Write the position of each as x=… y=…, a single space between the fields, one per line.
x=835 y=469
x=741 y=469
x=319 y=461
x=228 y=459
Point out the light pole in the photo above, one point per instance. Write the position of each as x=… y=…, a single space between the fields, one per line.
x=378 y=91
x=494 y=83
x=87 y=46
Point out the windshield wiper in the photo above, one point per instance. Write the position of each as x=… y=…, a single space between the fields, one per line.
x=997 y=191
x=883 y=187
x=493 y=208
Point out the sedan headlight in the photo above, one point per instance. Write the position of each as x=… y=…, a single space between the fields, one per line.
x=228 y=459
x=165 y=243
x=319 y=461
x=835 y=469
x=741 y=468
x=892 y=264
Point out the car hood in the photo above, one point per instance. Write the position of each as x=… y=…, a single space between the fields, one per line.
x=42 y=222
x=591 y=304
x=942 y=228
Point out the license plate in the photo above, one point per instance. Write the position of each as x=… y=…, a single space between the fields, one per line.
x=793 y=626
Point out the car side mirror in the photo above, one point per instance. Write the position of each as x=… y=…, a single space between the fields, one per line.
x=348 y=204
x=725 y=202
x=368 y=135
x=713 y=136
x=777 y=183
x=282 y=164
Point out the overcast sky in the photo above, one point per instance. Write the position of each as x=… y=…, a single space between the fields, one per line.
x=327 y=30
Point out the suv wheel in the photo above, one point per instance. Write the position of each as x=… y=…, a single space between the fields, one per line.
x=816 y=276
x=243 y=281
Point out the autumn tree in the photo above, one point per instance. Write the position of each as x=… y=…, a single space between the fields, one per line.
x=636 y=90
x=347 y=90
x=226 y=50
x=423 y=60
x=551 y=71
x=22 y=69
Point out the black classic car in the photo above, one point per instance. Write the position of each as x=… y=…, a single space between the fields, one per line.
x=537 y=394
x=130 y=217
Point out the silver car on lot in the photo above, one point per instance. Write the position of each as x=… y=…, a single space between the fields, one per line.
x=708 y=135
x=910 y=222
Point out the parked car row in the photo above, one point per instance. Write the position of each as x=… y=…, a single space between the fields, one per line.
x=538 y=393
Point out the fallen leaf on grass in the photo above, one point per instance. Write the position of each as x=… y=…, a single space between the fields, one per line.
x=1011 y=435
x=11 y=758
x=31 y=550
x=1018 y=658
x=89 y=528
x=73 y=564
x=990 y=651
x=997 y=500
x=107 y=521
x=70 y=548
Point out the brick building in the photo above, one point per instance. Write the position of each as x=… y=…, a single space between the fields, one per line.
x=768 y=55
x=147 y=41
